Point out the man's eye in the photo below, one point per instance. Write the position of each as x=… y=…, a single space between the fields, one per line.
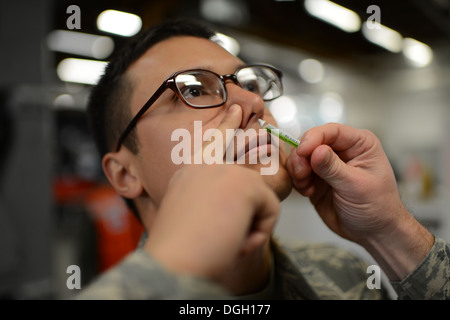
x=192 y=92
x=251 y=86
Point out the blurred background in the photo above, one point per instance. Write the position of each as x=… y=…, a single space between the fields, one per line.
x=379 y=65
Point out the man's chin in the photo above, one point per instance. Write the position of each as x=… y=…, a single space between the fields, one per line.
x=281 y=184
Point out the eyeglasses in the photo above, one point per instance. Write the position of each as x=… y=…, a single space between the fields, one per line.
x=198 y=88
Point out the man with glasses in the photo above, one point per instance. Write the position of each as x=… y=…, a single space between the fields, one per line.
x=210 y=225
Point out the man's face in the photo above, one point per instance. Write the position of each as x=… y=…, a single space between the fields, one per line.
x=154 y=130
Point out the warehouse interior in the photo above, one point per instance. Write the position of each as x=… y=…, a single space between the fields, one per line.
x=385 y=69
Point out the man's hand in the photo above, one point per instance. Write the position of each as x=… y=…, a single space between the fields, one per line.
x=210 y=216
x=349 y=180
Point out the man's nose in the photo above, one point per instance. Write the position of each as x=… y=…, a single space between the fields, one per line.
x=250 y=102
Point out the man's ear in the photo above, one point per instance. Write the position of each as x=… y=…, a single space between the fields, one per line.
x=122 y=174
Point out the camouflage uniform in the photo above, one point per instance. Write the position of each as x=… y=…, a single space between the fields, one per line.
x=308 y=271
x=431 y=278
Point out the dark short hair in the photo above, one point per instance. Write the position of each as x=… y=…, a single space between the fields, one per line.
x=108 y=106
x=108 y=109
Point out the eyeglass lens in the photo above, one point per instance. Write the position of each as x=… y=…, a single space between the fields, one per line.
x=260 y=80
x=201 y=88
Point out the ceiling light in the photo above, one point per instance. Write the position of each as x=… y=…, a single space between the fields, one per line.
x=80 y=70
x=118 y=22
x=311 y=70
x=334 y=14
x=64 y=101
x=283 y=109
x=383 y=36
x=418 y=53
x=84 y=44
x=231 y=12
x=331 y=107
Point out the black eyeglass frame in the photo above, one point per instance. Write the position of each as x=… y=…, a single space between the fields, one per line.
x=169 y=83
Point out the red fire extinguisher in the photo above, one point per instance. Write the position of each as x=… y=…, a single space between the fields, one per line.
x=118 y=230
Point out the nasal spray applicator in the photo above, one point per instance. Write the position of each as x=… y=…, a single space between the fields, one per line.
x=279 y=133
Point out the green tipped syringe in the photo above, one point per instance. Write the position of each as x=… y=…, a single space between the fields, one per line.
x=279 y=133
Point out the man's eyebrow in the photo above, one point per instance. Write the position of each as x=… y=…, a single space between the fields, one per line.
x=185 y=69
x=204 y=67
x=210 y=68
